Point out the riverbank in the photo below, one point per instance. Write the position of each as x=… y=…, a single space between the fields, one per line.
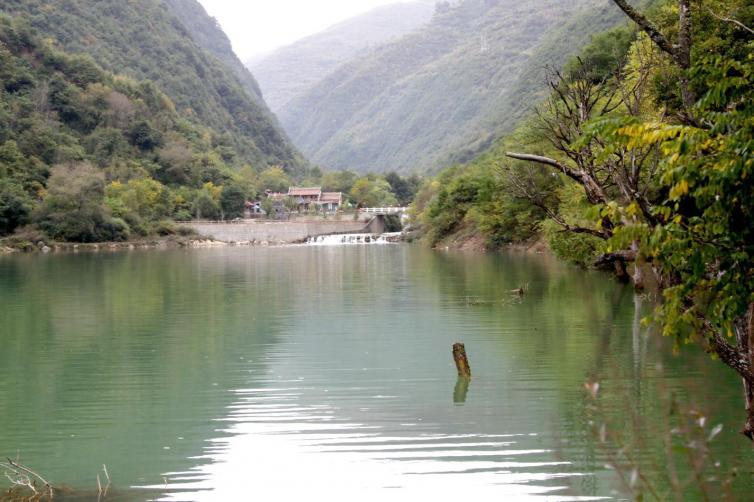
x=468 y=238
x=203 y=234
x=170 y=242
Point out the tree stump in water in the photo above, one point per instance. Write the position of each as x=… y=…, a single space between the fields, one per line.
x=462 y=362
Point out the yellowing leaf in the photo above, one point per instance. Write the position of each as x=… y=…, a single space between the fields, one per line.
x=679 y=190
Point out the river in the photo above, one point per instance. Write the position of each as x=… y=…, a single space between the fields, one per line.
x=304 y=371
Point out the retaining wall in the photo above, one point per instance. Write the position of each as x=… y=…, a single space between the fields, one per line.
x=274 y=231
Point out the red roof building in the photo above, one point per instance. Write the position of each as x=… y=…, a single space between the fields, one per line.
x=313 y=193
x=308 y=196
x=331 y=200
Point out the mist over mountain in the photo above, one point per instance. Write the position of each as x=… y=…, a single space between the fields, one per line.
x=444 y=92
x=289 y=71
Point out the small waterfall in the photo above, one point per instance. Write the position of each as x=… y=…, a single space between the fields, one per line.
x=352 y=239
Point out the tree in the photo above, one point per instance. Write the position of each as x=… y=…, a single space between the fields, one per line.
x=372 y=192
x=680 y=52
x=247 y=179
x=205 y=207
x=73 y=209
x=232 y=201
x=15 y=207
x=144 y=136
x=338 y=181
x=120 y=110
x=275 y=179
x=207 y=202
x=617 y=179
x=703 y=244
x=702 y=241
x=139 y=202
x=674 y=187
x=175 y=158
x=403 y=188
x=689 y=214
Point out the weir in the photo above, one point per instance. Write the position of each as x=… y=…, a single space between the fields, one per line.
x=353 y=239
x=286 y=232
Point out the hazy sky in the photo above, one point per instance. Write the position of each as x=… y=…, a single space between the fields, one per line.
x=258 y=26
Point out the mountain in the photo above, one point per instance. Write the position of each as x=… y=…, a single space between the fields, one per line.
x=287 y=72
x=444 y=92
x=175 y=44
x=88 y=155
x=206 y=32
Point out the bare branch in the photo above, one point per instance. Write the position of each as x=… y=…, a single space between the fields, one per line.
x=22 y=476
x=730 y=20
x=583 y=230
x=25 y=469
x=542 y=160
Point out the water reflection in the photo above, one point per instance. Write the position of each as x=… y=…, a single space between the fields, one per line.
x=290 y=450
x=296 y=372
x=461 y=389
x=121 y=359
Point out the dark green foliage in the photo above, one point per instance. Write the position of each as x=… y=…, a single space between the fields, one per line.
x=15 y=207
x=139 y=161
x=208 y=34
x=579 y=249
x=479 y=198
x=232 y=201
x=404 y=188
x=704 y=233
x=458 y=191
x=143 y=136
x=603 y=55
x=393 y=223
x=74 y=207
x=206 y=208
x=145 y=40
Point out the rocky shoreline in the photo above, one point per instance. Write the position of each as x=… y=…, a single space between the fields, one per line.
x=166 y=243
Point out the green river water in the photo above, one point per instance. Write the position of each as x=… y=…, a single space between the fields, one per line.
x=325 y=372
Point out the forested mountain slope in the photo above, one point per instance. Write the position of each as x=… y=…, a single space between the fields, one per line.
x=289 y=71
x=444 y=92
x=142 y=39
x=206 y=32
x=87 y=155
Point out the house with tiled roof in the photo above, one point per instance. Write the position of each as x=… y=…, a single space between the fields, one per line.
x=331 y=201
x=307 y=198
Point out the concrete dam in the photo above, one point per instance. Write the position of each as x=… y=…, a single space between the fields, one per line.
x=282 y=232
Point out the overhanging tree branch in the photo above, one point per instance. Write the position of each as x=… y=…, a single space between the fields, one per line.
x=648 y=27
x=727 y=353
x=544 y=160
x=730 y=20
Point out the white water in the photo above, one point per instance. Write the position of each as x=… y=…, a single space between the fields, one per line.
x=351 y=239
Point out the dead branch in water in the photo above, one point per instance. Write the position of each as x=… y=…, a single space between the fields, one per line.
x=29 y=486
x=21 y=476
